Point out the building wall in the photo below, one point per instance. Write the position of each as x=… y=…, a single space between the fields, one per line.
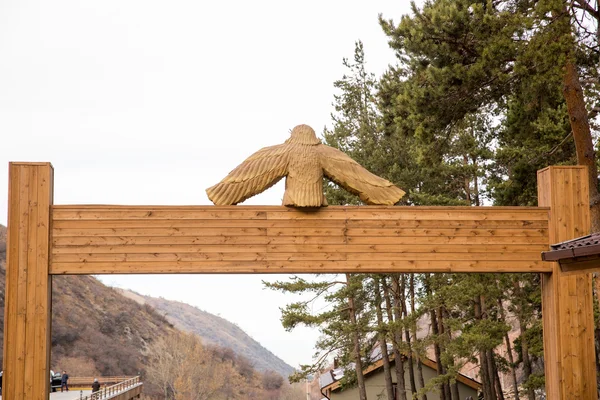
x=375 y=385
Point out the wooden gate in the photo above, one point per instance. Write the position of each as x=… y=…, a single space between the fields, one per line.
x=45 y=240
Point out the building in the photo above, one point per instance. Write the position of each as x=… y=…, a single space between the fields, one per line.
x=375 y=383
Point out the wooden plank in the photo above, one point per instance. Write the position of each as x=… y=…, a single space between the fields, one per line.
x=430 y=232
x=243 y=267
x=307 y=248
x=157 y=249
x=27 y=305
x=176 y=231
x=64 y=241
x=74 y=241
x=70 y=241
x=195 y=223
x=437 y=240
x=295 y=223
x=306 y=231
x=180 y=219
x=30 y=278
x=43 y=322
x=21 y=299
x=416 y=213
x=469 y=224
x=459 y=256
x=376 y=249
x=160 y=232
x=567 y=299
x=259 y=256
x=84 y=212
x=155 y=257
x=271 y=212
x=10 y=313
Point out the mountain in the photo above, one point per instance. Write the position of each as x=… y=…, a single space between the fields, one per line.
x=214 y=330
x=95 y=330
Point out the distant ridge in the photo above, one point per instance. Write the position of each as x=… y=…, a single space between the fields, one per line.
x=215 y=330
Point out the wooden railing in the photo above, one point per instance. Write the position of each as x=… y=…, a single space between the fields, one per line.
x=86 y=381
x=108 y=392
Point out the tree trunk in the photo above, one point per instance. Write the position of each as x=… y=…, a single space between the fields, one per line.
x=411 y=368
x=596 y=294
x=387 y=371
x=476 y=183
x=453 y=387
x=362 y=392
x=526 y=360
x=414 y=334
x=580 y=126
x=486 y=383
x=578 y=115
x=397 y=339
x=467 y=180
x=436 y=347
x=497 y=384
x=524 y=345
x=511 y=359
x=401 y=383
x=441 y=331
x=454 y=391
x=437 y=351
x=493 y=371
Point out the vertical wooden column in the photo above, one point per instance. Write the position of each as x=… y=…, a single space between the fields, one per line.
x=27 y=314
x=567 y=304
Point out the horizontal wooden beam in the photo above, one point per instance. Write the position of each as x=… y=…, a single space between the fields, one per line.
x=275 y=239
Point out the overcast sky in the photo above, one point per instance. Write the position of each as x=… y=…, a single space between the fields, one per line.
x=151 y=102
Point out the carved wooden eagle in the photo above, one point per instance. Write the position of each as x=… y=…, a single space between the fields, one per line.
x=303 y=160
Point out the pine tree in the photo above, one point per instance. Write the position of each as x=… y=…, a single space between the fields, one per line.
x=462 y=58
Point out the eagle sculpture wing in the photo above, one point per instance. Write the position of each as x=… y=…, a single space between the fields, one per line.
x=350 y=175
x=257 y=173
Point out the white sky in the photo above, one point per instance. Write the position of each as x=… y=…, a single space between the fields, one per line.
x=151 y=102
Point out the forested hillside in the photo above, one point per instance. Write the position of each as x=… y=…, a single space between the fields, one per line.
x=214 y=330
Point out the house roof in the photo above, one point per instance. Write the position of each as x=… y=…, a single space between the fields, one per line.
x=334 y=376
x=576 y=255
x=580 y=247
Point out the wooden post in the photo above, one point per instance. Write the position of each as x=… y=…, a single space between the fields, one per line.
x=567 y=304
x=28 y=284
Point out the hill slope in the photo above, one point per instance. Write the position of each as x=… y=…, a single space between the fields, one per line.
x=215 y=330
x=95 y=330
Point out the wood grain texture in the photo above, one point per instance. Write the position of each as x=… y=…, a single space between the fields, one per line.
x=274 y=239
x=28 y=288
x=567 y=298
x=303 y=160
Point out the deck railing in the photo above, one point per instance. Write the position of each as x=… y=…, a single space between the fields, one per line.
x=109 y=391
x=86 y=381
